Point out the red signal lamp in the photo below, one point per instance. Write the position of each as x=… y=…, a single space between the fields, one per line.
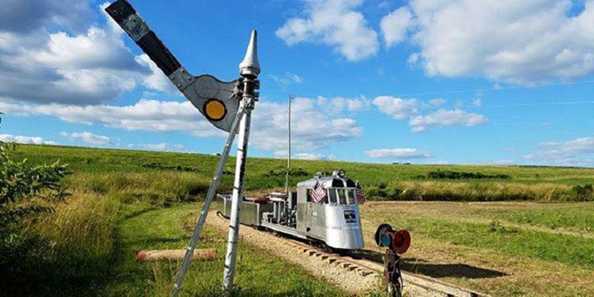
x=398 y=241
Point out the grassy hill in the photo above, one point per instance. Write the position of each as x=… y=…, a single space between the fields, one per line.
x=167 y=177
x=123 y=201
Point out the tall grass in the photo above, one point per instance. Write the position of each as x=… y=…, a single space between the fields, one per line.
x=163 y=178
x=69 y=251
x=158 y=188
x=81 y=235
x=475 y=191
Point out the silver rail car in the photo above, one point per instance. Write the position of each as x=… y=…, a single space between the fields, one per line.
x=330 y=215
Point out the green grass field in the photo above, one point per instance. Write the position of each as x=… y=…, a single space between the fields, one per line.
x=168 y=177
x=541 y=244
x=503 y=248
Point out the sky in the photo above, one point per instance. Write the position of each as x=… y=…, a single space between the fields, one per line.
x=420 y=81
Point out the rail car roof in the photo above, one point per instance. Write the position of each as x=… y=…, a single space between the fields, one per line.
x=337 y=180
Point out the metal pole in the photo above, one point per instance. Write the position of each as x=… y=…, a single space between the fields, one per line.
x=249 y=69
x=212 y=189
x=289 y=155
x=242 y=146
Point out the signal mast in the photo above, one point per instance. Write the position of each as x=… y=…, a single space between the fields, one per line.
x=226 y=105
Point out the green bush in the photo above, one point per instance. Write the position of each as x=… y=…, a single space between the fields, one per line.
x=159 y=166
x=447 y=174
x=26 y=190
x=583 y=193
x=282 y=172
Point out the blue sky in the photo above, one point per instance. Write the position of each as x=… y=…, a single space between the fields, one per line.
x=374 y=81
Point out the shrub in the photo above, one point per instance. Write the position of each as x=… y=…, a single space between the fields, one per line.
x=281 y=172
x=159 y=166
x=26 y=190
x=583 y=193
x=446 y=174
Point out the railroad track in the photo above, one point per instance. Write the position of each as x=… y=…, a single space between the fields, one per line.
x=415 y=285
x=354 y=268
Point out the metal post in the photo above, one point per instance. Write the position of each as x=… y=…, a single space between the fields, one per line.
x=212 y=189
x=289 y=155
x=233 y=236
x=249 y=69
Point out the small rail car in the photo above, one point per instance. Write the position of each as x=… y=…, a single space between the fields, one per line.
x=324 y=209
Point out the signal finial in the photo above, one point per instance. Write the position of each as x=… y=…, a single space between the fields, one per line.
x=250 y=65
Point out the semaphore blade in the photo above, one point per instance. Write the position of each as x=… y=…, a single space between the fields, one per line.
x=218 y=101
x=124 y=14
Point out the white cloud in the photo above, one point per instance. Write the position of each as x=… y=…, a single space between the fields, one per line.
x=25 y=16
x=308 y=156
x=443 y=117
x=24 y=139
x=286 y=79
x=397 y=153
x=312 y=127
x=503 y=162
x=335 y=23
x=269 y=122
x=342 y=104
x=304 y=156
x=147 y=115
x=411 y=109
x=82 y=69
x=89 y=65
x=87 y=137
x=397 y=108
x=162 y=147
x=155 y=80
x=579 y=151
x=521 y=42
x=437 y=102
x=395 y=25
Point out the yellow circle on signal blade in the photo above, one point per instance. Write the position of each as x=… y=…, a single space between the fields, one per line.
x=215 y=109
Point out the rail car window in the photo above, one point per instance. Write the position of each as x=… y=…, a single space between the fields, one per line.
x=332 y=196
x=350 y=196
x=342 y=196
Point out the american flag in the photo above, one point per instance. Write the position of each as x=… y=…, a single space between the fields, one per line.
x=318 y=193
x=360 y=196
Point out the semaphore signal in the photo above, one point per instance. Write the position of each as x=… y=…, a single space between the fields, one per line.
x=226 y=105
